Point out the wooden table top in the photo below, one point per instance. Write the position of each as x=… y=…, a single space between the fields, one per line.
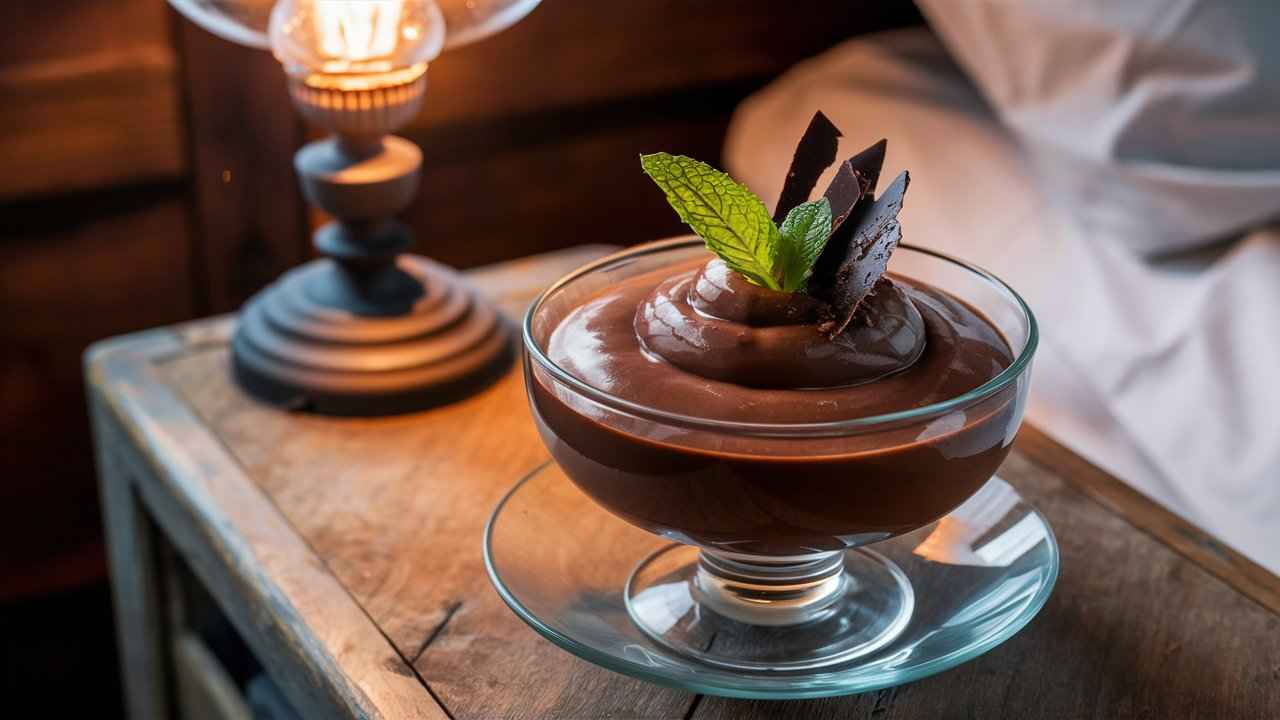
x=348 y=553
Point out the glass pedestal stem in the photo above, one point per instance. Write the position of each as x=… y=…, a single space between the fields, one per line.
x=761 y=590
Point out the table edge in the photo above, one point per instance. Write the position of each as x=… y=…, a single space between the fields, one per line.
x=188 y=508
x=1146 y=515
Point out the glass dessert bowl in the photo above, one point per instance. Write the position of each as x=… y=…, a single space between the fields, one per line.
x=772 y=496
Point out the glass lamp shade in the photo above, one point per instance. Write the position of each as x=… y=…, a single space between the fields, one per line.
x=471 y=20
x=246 y=22
x=240 y=21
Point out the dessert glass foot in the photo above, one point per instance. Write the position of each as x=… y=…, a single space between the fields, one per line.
x=862 y=619
x=766 y=615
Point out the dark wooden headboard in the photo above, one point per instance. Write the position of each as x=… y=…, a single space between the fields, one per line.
x=148 y=178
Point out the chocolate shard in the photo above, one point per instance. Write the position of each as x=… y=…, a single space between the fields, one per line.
x=844 y=192
x=814 y=154
x=857 y=256
x=868 y=163
x=856 y=179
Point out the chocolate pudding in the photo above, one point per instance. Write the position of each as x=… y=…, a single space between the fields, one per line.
x=697 y=340
x=728 y=388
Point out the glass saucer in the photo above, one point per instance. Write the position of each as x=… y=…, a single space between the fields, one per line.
x=566 y=566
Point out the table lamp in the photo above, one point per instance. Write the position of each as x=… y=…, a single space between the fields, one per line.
x=368 y=329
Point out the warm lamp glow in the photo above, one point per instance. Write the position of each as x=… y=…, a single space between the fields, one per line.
x=356 y=42
x=246 y=21
x=359 y=30
x=349 y=334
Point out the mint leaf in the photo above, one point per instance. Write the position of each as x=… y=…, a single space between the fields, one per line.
x=804 y=235
x=731 y=220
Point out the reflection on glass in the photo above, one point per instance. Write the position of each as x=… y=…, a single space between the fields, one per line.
x=965 y=536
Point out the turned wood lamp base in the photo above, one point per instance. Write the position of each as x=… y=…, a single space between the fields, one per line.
x=367 y=330
x=301 y=345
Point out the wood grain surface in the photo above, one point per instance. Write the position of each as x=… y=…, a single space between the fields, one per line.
x=393 y=509
x=1133 y=629
x=1201 y=548
x=319 y=646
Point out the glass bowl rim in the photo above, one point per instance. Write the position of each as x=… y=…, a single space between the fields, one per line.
x=807 y=429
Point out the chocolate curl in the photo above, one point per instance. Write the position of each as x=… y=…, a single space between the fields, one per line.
x=856 y=257
x=814 y=154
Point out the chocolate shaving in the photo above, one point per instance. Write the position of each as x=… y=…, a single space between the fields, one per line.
x=856 y=257
x=814 y=154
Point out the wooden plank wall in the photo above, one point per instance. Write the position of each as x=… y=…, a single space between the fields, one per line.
x=89 y=97
x=148 y=180
x=94 y=240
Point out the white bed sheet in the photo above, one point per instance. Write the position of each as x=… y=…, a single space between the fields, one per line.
x=1165 y=370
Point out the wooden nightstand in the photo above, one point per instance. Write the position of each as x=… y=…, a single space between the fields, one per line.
x=338 y=561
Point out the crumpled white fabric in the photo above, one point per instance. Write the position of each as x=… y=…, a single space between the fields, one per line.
x=1112 y=162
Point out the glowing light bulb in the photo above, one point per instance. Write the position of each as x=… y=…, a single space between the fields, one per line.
x=357 y=30
x=246 y=21
x=356 y=44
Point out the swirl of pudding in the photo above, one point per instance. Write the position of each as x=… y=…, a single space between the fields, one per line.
x=714 y=323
